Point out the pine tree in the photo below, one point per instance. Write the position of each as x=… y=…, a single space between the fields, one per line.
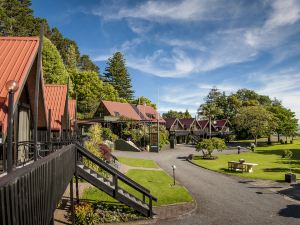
x=117 y=75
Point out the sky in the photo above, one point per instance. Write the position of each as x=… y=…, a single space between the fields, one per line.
x=177 y=50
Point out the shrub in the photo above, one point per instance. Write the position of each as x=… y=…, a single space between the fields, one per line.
x=109 y=135
x=207 y=146
x=281 y=141
x=285 y=142
x=85 y=215
x=230 y=137
x=291 y=141
x=105 y=152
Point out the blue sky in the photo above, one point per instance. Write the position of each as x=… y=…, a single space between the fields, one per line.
x=185 y=47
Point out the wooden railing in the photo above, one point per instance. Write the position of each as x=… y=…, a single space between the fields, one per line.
x=31 y=194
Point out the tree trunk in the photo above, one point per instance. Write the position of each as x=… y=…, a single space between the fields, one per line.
x=278 y=136
x=255 y=138
x=209 y=127
x=269 y=139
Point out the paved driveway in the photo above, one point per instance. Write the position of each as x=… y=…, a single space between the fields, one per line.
x=221 y=199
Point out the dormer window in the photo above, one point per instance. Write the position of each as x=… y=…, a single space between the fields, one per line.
x=117 y=113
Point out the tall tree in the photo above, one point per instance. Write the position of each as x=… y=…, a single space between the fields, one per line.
x=256 y=120
x=53 y=66
x=143 y=100
x=176 y=114
x=117 y=75
x=90 y=90
x=209 y=111
x=86 y=64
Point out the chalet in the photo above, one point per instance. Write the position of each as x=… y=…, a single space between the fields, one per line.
x=56 y=100
x=191 y=125
x=149 y=114
x=176 y=128
x=109 y=110
x=222 y=126
x=19 y=66
x=204 y=124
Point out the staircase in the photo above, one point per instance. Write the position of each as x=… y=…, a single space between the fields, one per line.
x=195 y=138
x=111 y=187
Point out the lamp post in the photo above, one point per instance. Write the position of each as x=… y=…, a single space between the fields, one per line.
x=174 y=167
x=11 y=86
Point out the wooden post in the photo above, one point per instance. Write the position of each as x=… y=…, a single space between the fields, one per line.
x=115 y=181
x=36 y=95
x=72 y=202
x=10 y=121
x=49 y=131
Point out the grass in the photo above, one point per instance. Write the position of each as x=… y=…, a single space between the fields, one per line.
x=271 y=165
x=146 y=163
x=158 y=182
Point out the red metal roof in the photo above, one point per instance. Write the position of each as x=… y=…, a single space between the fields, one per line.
x=17 y=55
x=55 y=95
x=220 y=123
x=72 y=108
x=187 y=122
x=144 y=111
x=121 y=109
x=203 y=123
x=171 y=121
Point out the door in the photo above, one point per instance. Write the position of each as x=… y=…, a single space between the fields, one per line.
x=23 y=134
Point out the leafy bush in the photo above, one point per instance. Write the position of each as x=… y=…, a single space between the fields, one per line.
x=91 y=214
x=85 y=215
x=108 y=134
x=105 y=152
x=291 y=141
x=281 y=141
x=207 y=146
x=230 y=137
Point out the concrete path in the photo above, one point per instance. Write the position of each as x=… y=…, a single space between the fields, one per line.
x=223 y=199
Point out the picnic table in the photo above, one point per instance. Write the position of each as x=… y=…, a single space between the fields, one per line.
x=241 y=166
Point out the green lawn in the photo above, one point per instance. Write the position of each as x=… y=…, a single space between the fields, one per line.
x=158 y=182
x=146 y=163
x=271 y=165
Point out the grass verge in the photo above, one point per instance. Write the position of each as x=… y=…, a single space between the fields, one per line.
x=134 y=162
x=271 y=164
x=158 y=182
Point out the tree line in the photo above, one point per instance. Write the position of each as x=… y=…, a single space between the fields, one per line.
x=62 y=60
x=251 y=115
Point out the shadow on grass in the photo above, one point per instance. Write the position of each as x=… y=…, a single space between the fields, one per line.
x=290 y=211
x=296 y=152
x=282 y=170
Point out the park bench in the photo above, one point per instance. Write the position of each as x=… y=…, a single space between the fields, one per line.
x=241 y=166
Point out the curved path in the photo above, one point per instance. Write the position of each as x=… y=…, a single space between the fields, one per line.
x=222 y=199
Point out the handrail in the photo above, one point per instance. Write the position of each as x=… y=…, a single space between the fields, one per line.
x=114 y=171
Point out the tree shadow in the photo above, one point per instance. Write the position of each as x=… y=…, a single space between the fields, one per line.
x=282 y=170
x=296 y=152
x=290 y=211
x=292 y=192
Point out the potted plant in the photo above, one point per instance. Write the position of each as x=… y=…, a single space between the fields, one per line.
x=289 y=177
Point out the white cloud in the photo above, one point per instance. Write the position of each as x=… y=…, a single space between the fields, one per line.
x=162 y=64
x=284 y=13
x=277 y=26
x=161 y=11
x=284 y=85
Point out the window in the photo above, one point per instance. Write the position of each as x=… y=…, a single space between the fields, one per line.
x=117 y=113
